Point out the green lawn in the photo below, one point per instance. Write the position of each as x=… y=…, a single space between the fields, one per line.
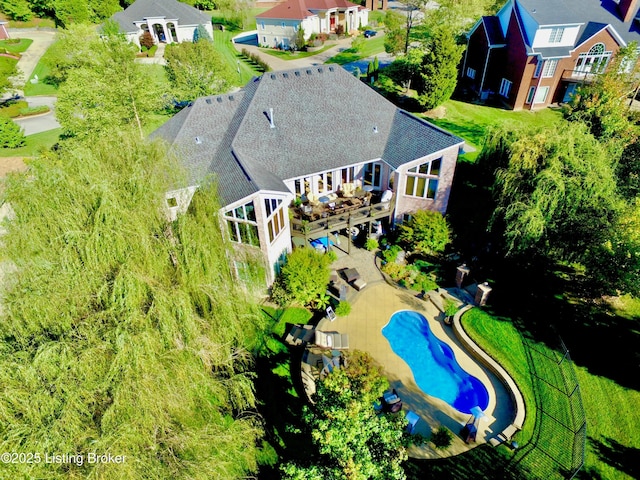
x=611 y=410
x=35 y=143
x=40 y=88
x=372 y=46
x=12 y=47
x=470 y=121
x=223 y=44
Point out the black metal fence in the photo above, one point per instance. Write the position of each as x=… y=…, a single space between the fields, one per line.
x=557 y=447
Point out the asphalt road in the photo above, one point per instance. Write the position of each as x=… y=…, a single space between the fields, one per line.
x=39 y=123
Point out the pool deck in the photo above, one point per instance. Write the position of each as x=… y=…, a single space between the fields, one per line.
x=371 y=310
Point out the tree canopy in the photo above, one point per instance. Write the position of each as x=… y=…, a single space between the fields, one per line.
x=197 y=69
x=122 y=333
x=108 y=92
x=426 y=232
x=354 y=442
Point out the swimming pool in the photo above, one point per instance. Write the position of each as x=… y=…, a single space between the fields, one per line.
x=433 y=363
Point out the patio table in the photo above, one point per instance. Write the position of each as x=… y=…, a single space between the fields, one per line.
x=351 y=274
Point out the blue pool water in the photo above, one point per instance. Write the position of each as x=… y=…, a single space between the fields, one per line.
x=433 y=363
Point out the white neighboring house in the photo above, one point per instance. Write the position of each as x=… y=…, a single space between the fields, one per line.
x=278 y=27
x=168 y=21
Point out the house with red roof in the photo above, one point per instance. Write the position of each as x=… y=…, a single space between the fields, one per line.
x=536 y=52
x=278 y=27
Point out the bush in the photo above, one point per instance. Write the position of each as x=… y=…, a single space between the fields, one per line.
x=11 y=134
x=255 y=59
x=427 y=232
x=339 y=29
x=391 y=253
x=395 y=271
x=442 y=438
x=12 y=108
x=152 y=51
x=303 y=279
x=343 y=309
x=25 y=112
x=333 y=256
x=371 y=244
x=146 y=40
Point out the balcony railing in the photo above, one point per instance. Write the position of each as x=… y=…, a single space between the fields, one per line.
x=342 y=213
x=579 y=76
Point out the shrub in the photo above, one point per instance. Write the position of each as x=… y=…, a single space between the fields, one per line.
x=333 y=256
x=146 y=40
x=343 y=309
x=391 y=253
x=11 y=134
x=12 y=109
x=25 y=112
x=303 y=279
x=371 y=244
x=427 y=232
x=395 y=271
x=152 y=51
x=339 y=29
x=442 y=438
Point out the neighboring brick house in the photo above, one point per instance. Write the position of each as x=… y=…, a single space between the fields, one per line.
x=278 y=27
x=302 y=154
x=168 y=21
x=535 y=52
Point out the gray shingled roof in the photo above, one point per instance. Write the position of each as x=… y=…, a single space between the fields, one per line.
x=592 y=14
x=324 y=118
x=169 y=9
x=494 y=30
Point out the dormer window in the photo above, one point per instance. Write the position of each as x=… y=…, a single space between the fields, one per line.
x=556 y=35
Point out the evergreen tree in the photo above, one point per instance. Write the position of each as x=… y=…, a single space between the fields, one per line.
x=11 y=134
x=201 y=34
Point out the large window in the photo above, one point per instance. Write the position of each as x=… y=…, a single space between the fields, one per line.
x=275 y=217
x=556 y=35
x=372 y=175
x=549 y=68
x=422 y=180
x=593 y=61
x=471 y=73
x=541 y=95
x=242 y=226
x=505 y=87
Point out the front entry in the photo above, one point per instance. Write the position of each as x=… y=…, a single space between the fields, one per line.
x=571 y=90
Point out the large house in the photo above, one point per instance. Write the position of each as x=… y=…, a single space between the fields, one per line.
x=168 y=21
x=279 y=26
x=301 y=155
x=535 y=52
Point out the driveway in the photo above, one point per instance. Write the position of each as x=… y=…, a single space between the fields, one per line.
x=42 y=40
x=39 y=123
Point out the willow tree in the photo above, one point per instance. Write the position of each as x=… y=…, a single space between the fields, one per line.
x=121 y=333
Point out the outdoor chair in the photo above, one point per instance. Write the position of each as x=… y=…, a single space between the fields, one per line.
x=332 y=340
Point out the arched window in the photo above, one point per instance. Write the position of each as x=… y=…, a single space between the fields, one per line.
x=594 y=61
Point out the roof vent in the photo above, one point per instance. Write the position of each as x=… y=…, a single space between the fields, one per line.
x=198 y=141
x=273 y=76
x=231 y=98
x=308 y=72
x=208 y=100
x=285 y=75
x=319 y=69
x=219 y=99
x=297 y=73
x=375 y=129
x=271 y=124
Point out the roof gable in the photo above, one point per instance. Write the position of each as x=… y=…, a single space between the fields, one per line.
x=300 y=9
x=169 y=9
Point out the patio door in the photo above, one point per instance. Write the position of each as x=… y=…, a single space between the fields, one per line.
x=372 y=175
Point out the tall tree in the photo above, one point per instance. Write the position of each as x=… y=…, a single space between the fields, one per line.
x=557 y=199
x=111 y=92
x=120 y=333
x=439 y=69
x=197 y=69
x=19 y=10
x=353 y=440
x=603 y=105
x=394 y=32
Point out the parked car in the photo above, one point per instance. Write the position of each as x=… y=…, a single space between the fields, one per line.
x=369 y=33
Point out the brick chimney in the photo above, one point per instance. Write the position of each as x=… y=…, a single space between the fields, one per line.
x=628 y=9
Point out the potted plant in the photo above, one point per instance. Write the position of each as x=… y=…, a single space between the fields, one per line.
x=450 y=309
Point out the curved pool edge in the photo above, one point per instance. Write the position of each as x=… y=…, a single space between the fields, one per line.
x=497 y=369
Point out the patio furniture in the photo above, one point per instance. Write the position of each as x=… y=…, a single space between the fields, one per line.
x=412 y=418
x=351 y=274
x=331 y=314
x=299 y=334
x=332 y=340
x=359 y=284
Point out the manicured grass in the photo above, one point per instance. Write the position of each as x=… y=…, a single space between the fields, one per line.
x=283 y=55
x=40 y=88
x=35 y=143
x=233 y=58
x=611 y=410
x=470 y=121
x=281 y=317
x=33 y=23
x=372 y=46
x=11 y=47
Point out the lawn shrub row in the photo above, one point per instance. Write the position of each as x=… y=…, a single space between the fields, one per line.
x=256 y=60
